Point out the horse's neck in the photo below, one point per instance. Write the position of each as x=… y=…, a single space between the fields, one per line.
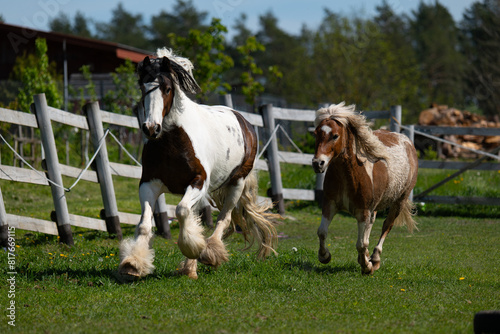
x=182 y=107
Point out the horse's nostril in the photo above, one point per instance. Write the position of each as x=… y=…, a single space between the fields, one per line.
x=145 y=129
x=157 y=129
x=322 y=163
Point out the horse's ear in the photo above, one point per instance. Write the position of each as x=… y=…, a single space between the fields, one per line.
x=165 y=65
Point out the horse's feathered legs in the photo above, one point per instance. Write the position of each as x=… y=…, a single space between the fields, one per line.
x=136 y=255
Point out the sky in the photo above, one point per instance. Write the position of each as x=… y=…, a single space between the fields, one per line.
x=291 y=14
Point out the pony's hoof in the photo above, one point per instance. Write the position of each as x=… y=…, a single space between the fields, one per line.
x=375 y=265
x=325 y=258
x=368 y=270
x=188 y=268
x=214 y=254
x=128 y=271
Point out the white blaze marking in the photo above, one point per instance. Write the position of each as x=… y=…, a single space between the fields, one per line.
x=326 y=129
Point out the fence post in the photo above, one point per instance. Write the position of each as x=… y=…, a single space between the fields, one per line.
x=110 y=212
x=4 y=226
x=410 y=133
x=226 y=100
x=272 y=159
x=395 y=118
x=54 y=174
x=161 y=218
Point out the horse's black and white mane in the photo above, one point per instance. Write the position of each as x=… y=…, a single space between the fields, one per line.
x=180 y=73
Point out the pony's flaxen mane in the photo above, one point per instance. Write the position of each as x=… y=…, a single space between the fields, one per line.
x=368 y=146
x=184 y=62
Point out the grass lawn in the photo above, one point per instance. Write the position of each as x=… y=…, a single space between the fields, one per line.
x=432 y=281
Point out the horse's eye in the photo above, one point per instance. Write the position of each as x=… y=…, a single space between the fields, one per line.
x=167 y=90
x=335 y=137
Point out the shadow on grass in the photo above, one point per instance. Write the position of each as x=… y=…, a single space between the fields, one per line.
x=322 y=268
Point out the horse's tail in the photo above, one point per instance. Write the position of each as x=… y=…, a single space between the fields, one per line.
x=406 y=216
x=255 y=220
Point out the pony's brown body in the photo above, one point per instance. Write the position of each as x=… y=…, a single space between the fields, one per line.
x=365 y=172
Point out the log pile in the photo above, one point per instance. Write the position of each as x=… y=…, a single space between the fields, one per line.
x=442 y=115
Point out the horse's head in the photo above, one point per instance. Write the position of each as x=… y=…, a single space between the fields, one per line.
x=157 y=86
x=330 y=142
x=160 y=79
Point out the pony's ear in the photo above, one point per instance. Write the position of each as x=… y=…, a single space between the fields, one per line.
x=165 y=65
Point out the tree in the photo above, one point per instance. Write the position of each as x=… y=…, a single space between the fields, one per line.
x=481 y=45
x=436 y=41
x=62 y=24
x=37 y=76
x=124 y=28
x=206 y=50
x=184 y=17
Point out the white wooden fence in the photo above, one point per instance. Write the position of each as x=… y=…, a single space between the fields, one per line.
x=61 y=220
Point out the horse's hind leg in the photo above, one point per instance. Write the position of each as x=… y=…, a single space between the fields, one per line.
x=386 y=228
x=329 y=210
x=365 y=224
x=215 y=252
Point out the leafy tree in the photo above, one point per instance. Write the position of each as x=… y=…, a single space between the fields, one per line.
x=436 y=41
x=126 y=92
x=124 y=28
x=37 y=76
x=206 y=50
x=481 y=31
x=62 y=23
x=184 y=17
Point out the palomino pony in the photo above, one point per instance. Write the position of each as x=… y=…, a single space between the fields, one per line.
x=206 y=154
x=365 y=172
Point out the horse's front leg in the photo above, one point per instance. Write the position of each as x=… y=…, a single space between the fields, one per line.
x=136 y=255
x=215 y=253
x=394 y=212
x=328 y=212
x=191 y=241
x=365 y=224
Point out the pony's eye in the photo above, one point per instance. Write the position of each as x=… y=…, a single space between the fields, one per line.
x=167 y=90
x=335 y=137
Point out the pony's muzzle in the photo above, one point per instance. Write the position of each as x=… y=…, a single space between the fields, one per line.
x=151 y=131
x=319 y=165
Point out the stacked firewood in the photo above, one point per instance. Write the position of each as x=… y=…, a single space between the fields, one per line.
x=442 y=115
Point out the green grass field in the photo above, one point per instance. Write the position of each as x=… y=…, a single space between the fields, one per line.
x=432 y=281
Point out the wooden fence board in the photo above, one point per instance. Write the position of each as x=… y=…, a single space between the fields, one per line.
x=87 y=222
x=298 y=194
x=125 y=170
x=254 y=119
x=460 y=200
x=294 y=114
x=18 y=117
x=70 y=171
x=32 y=224
x=434 y=164
x=68 y=118
x=458 y=130
x=22 y=175
x=295 y=158
x=118 y=119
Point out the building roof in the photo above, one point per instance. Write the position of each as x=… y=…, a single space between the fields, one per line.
x=101 y=56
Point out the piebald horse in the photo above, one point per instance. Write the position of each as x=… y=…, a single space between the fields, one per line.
x=366 y=171
x=206 y=154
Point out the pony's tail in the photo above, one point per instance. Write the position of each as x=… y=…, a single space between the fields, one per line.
x=256 y=221
x=406 y=215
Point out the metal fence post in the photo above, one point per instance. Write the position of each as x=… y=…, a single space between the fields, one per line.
x=272 y=159
x=110 y=212
x=395 y=118
x=54 y=174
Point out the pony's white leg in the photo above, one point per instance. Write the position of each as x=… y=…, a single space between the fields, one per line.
x=215 y=253
x=365 y=224
x=191 y=241
x=136 y=255
x=394 y=212
x=188 y=267
x=327 y=214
